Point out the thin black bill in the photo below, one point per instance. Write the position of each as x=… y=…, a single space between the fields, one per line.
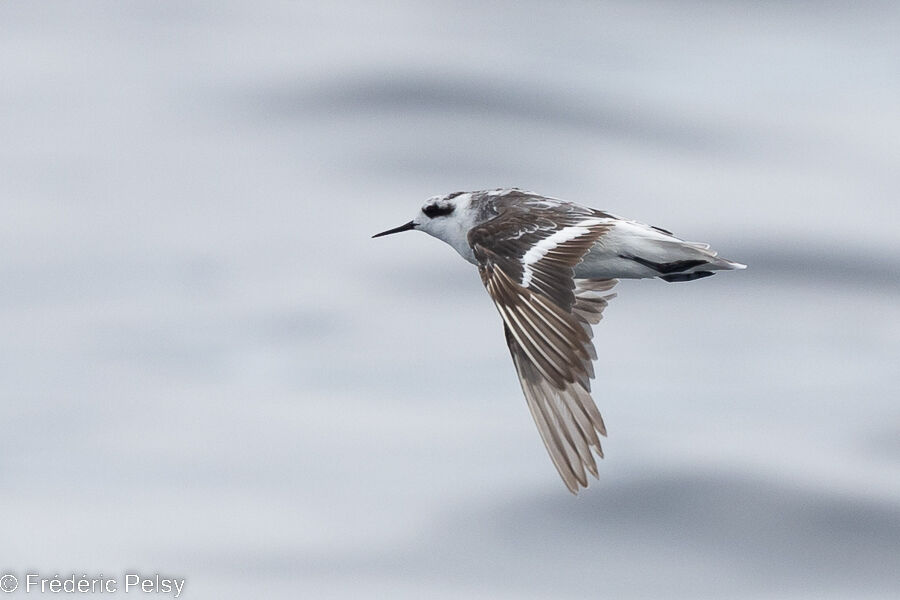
x=405 y=227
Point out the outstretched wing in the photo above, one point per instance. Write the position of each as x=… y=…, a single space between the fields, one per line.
x=526 y=257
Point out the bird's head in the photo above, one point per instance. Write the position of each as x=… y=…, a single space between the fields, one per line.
x=447 y=218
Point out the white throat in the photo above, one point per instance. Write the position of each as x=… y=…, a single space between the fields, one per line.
x=454 y=228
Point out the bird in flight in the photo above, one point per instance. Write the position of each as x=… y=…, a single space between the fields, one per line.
x=549 y=265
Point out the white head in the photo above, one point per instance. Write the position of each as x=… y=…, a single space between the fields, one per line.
x=448 y=218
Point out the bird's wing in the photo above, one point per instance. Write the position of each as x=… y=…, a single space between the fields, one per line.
x=526 y=257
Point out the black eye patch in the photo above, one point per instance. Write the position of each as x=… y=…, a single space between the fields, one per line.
x=436 y=210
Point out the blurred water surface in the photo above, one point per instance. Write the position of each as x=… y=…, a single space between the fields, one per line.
x=209 y=370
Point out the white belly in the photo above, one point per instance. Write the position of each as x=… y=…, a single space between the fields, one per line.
x=602 y=263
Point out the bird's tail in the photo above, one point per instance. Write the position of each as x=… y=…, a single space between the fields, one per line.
x=678 y=260
x=661 y=254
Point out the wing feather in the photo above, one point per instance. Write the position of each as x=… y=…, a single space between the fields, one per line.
x=547 y=317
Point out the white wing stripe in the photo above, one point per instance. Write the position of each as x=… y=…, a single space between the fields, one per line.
x=539 y=250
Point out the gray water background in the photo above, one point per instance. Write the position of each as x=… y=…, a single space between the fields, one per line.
x=209 y=370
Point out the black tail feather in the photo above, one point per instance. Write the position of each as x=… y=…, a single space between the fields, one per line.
x=686 y=276
x=669 y=267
